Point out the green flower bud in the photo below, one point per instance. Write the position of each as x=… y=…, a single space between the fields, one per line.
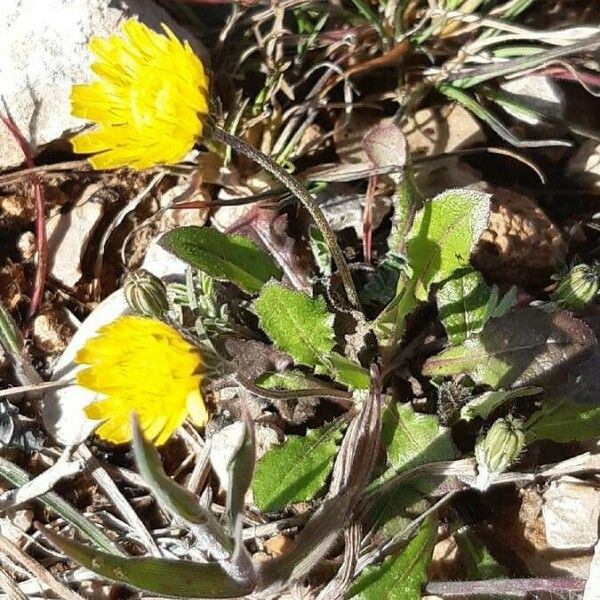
x=498 y=449
x=10 y=336
x=146 y=294
x=578 y=288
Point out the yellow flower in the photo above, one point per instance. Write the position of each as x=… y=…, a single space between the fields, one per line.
x=150 y=101
x=144 y=366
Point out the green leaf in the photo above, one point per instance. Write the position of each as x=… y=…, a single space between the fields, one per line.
x=296 y=470
x=483 y=404
x=296 y=323
x=399 y=577
x=182 y=578
x=288 y=380
x=348 y=372
x=382 y=285
x=476 y=557
x=525 y=347
x=320 y=250
x=462 y=303
x=222 y=256
x=563 y=421
x=443 y=235
x=414 y=439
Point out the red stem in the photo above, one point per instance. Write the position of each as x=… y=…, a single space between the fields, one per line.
x=40 y=222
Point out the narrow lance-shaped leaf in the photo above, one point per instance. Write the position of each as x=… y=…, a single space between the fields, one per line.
x=443 y=236
x=181 y=578
x=241 y=470
x=296 y=323
x=222 y=256
x=296 y=470
x=401 y=576
x=177 y=498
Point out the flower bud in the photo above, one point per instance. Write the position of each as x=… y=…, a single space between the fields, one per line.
x=498 y=449
x=578 y=288
x=146 y=294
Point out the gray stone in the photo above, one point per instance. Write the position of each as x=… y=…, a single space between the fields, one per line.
x=43 y=52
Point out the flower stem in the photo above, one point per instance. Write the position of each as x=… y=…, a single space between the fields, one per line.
x=298 y=190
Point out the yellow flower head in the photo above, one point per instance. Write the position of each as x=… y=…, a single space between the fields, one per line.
x=144 y=366
x=150 y=101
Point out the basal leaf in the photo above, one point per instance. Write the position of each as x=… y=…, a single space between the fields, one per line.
x=296 y=470
x=462 y=303
x=414 y=439
x=347 y=371
x=483 y=404
x=564 y=421
x=401 y=576
x=477 y=559
x=222 y=256
x=524 y=347
x=443 y=235
x=296 y=323
x=170 y=577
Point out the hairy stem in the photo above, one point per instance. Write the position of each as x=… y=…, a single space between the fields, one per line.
x=298 y=190
x=502 y=587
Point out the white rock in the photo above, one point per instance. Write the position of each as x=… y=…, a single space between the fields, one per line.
x=584 y=166
x=571 y=511
x=68 y=236
x=538 y=92
x=43 y=52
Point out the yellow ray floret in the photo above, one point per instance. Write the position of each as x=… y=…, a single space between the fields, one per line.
x=144 y=366
x=150 y=101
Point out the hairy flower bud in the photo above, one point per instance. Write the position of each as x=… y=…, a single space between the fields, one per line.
x=146 y=294
x=498 y=449
x=578 y=288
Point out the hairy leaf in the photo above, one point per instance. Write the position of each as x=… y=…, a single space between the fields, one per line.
x=525 y=347
x=401 y=576
x=414 y=439
x=182 y=578
x=347 y=371
x=564 y=421
x=479 y=562
x=177 y=498
x=296 y=323
x=483 y=404
x=296 y=470
x=222 y=256
x=443 y=235
x=462 y=303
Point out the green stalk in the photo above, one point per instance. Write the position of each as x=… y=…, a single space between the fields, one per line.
x=298 y=190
